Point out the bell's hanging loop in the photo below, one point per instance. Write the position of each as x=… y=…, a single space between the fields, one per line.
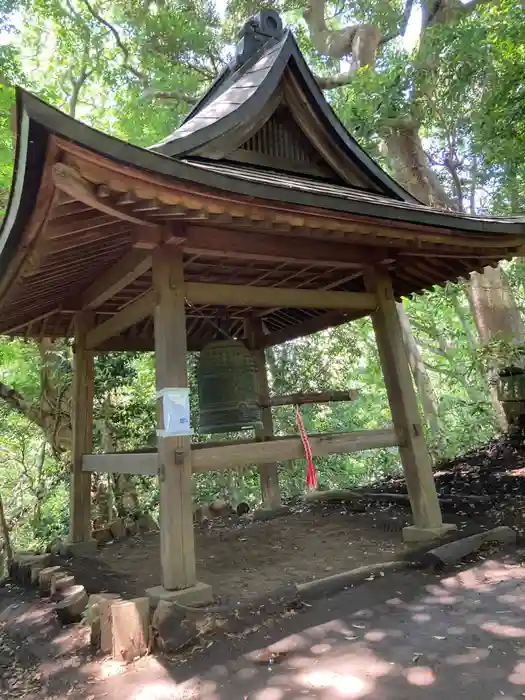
x=227 y=382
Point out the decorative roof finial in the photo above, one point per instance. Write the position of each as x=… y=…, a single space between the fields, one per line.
x=263 y=26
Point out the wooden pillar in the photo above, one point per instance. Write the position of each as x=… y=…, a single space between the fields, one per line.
x=414 y=454
x=268 y=473
x=82 y=431
x=177 y=548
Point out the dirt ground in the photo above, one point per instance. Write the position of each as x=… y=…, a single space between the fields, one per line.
x=458 y=634
x=495 y=471
x=240 y=558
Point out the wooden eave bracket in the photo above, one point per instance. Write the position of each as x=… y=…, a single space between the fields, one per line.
x=68 y=180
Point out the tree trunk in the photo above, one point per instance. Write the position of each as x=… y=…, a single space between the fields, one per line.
x=496 y=316
x=491 y=301
x=126 y=494
x=494 y=308
x=403 y=148
x=5 y=534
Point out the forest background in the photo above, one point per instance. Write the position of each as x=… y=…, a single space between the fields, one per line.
x=433 y=89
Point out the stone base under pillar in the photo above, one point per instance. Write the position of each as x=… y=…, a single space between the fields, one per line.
x=199 y=594
x=414 y=535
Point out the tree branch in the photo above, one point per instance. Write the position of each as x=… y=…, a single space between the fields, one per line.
x=171 y=95
x=17 y=402
x=360 y=42
x=330 y=82
x=445 y=13
x=121 y=45
x=405 y=17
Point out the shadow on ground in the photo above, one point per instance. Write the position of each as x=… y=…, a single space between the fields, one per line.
x=458 y=635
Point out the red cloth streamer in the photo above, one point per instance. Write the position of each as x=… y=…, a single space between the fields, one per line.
x=311 y=474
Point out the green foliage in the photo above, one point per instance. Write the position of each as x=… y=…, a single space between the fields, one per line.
x=6 y=143
x=33 y=486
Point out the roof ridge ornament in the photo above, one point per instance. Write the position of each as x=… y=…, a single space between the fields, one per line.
x=265 y=25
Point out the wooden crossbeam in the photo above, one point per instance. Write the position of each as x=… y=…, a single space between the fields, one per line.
x=220 y=242
x=216 y=242
x=230 y=456
x=246 y=295
x=234 y=295
x=124 y=272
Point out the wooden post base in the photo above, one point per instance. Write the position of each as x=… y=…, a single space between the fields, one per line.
x=413 y=534
x=199 y=594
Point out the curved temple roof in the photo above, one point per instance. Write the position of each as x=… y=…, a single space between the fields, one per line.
x=261 y=185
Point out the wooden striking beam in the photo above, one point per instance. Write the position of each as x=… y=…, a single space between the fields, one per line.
x=133 y=265
x=217 y=242
x=240 y=454
x=315 y=397
x=69 y=180
x=138 y=310
x=246 y=295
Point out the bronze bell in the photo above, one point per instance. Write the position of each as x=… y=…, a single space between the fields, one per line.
x=227 y=381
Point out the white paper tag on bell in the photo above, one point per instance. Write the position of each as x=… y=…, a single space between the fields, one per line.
x=176 y=411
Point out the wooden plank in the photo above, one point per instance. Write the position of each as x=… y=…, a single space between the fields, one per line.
x=177 y=547
x=206 y=240
x=124 y=272
x=268 y=472
x=219 y=458
x=73 y=241
x=215 y=456
x=92 y=221
x=311 y=325
x=403 y=404
x=245 y=295
x=132 y=463
x=82 y=427
x=138 y=310
x=69 y=180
